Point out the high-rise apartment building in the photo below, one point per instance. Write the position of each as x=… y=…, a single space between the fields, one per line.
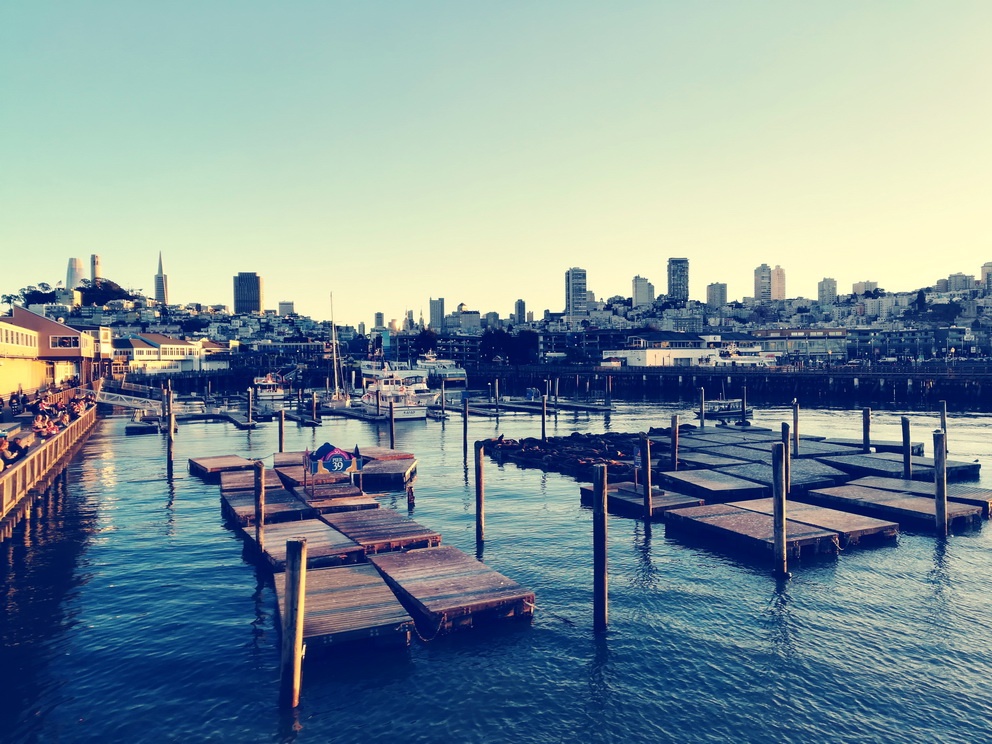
x=778 y=283
x=519 y=312
x=576 y=294
x=437 y=315
x=248 y=295
x=859 y=288
x=96 y=273
x=716 y=294
x=287 y=308
x=380 y=321
x=74 y=273
x=763 y=283
x=642 y=292
x=678 y=280
x=161 y=284
x=826 y=291
x=987 y=276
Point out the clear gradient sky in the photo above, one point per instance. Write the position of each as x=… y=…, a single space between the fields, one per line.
x=389 y=152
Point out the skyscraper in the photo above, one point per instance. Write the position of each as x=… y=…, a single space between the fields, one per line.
x=576 y=295
x=74 y=273
x=716 y=294
x=678 y=280
x=642 y=292
x=161 y=284
x=986 y=280
x=763 y=283
x=826 y=291
x=437 y=314
x=519 y=312
x=287 y=308
x=96 y=273
x=248 y=296
x=778 y=283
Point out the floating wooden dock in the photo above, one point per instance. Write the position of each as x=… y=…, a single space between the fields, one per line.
x=280 y=506
x=348 y=604
x=731 y=526
x=880 y=445
x=244 y=480
x=973 y=495
x=325 y=545
x=381 y=530
x=627 y=500
x=210 y=468
x=711 y=485
x=446 y=589
x=804 y=475
x=851 y=529
x=917 y=512
x=889 y=465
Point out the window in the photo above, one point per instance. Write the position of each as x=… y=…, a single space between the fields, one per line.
x=64 y=342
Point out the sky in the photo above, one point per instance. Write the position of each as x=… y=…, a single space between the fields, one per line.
x=384 y=153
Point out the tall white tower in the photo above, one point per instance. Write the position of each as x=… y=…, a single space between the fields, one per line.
x=74 y=273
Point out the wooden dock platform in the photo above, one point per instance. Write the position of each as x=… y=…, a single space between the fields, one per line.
x=238 y=507
x=889 y=465
x=388 y=475
x=880 y=445
x=444 y=589
x=917 y=512
x=349 y=604
x=804 y=474
x=712 y=486
x=627 y=500
x=325 y=545
x=210 y=468
x=244 y=480
x=382 y=530
x=731 y=526
x=973 y=495
x=851 y=529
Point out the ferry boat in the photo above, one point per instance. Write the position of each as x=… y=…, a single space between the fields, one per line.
x=442 y=369
x=270 y=387
x=725 y=409
x=406 y=389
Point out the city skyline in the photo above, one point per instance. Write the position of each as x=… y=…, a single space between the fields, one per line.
x=391 y=154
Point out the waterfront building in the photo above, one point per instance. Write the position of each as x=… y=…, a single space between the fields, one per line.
x=74 y=273
x=96 y=273
x=763 y=284
x=642 y=292
x=161 y=284
x=678 y=280
x=66 y=352
x=716 y=295
x=576 y=295
x=826 y=291
x=437 y=314
x=778 y=283
x=248 y=294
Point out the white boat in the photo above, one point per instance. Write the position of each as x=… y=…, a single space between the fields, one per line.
x=438 y=370
x=726 y=409
x=406 y=389
x=270 y=387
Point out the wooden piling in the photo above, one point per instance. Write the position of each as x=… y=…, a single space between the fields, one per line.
x=556 y=393
x=940 y=482
x=675 y=443
x=702 y=408
x=392 y=425
x=260 y=505
x=781 y=561
x=480 y=493
x=646 y=464
x=600 y=592
x=795 y=427
x=248 y=417
x=496 y=392
x=292 y=623
x=943 y=421
x=907 y=450
x=544 y=418
x=786 y=459
x=866 y=430
x=744 y=404
x=442 y=398
x=465 y=428
x=171 y=422
x=282 y=430
x=313 y=405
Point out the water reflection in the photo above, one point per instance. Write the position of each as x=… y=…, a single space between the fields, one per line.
x=781 y=621
x=938 y=601
x=646 y=575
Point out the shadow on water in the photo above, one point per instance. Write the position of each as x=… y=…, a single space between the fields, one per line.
x=781 y=621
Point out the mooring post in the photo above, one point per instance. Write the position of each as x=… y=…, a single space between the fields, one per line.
x=442 y=397
x=702 y=407
x=392 y=425
x=866 y=430
x=795 y=427
x=600 y=592
x=940 y=482
x=282 y=429
x=260 y=505
x=292 y=622
x=465 y=428
x=646 y=464
x=496 y=392
x=675 y=442
x=248 y=418
x=480 y=493
x=544 y=418
x=313 y=405
x=943 y=422
x=556 y=394
x=907 y=450
x=410 y=501
x=744 y=404
x=786 y=459
x=781 y=560
x=378 y=402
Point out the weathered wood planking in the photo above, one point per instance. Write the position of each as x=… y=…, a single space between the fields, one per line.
x=280 y=506
x=957 y=470
x=880 y=445
x=711 y=486
x=973 y=495
x=209 y=467
x=889 y=465
x=349 y=604
x=725 y=436
x=388 y=475
x=383 y=454
x=292 y=476
x=732 y=526
x=325 y=545
x=358 y=502
x=804 y=474
x=627 y=500
x=808 y=449
x=741 y=452
x=283 y=459
x=913 y=511
x=381 y=530
x=444 y=588
x=850 y=528
x=244 y=480
x=707 y=459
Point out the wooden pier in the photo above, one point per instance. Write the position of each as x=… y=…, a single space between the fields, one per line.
x=325 y=545
x=210 y=468
x=627 y=500
x=917 y=512
x=382 y=530
x=712 y=486
x=972 y=495
x=851 y=529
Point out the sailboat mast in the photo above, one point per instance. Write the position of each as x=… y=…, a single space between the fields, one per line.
x=334 y=351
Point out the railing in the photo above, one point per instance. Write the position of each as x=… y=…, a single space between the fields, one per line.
x=18 y=479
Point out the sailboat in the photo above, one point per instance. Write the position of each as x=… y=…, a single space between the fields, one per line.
x=339 y=398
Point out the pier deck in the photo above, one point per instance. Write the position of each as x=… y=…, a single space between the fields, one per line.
x=627 y=500
x=851 y=529
x=880 y=445
x=210 y=468
x=973 y=495
x=349 y=604
x=382 y=530
x=804 y=474
x=325 y=545
x=244 y=480
x=889 y=465
x=280 y=506
x=712 y=486
x=917 y=512
x=446 y=589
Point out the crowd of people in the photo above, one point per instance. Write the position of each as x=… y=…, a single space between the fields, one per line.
x=50 y=417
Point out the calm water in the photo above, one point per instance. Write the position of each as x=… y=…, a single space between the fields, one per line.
x=132 y=616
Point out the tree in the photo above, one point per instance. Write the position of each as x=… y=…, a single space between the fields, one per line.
x=425 y=341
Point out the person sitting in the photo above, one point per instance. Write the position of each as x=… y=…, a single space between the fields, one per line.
x=18 y=449
x=6 y=457
x=39 y=425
